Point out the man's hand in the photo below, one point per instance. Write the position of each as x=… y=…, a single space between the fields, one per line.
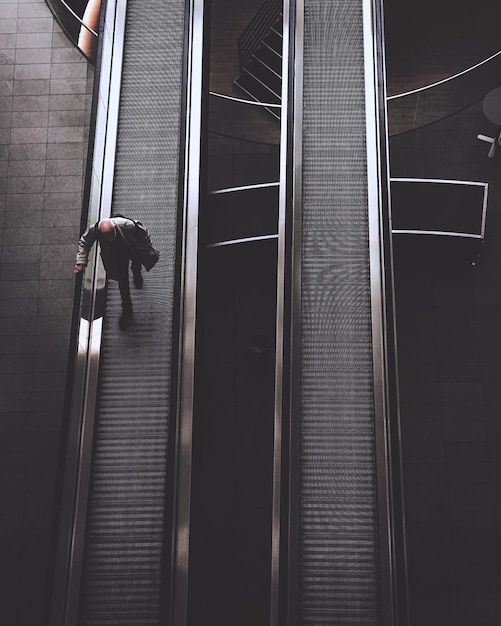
x=78 y=268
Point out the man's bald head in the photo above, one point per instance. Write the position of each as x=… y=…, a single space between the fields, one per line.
x=107 y=229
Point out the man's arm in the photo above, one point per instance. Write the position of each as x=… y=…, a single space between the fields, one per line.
x=85 y=243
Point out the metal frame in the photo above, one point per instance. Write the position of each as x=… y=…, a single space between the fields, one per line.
x=195 y=39
x=394 y=602
x=279 y=418
x=294 y=329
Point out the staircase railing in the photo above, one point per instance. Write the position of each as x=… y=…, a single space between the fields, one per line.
x=257 y=28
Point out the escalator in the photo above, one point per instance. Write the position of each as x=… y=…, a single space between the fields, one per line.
x=124 y=544
x=111 y=563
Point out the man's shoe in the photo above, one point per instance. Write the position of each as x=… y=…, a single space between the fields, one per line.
x=138 y=280
x=124 y=320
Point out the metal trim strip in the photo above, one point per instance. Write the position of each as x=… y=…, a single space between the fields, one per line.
x=450 y=181
x=231 y=242
x=276 y=534
x=382 y=305
x=188 y=303
x=442 y=233
x=294 y=365
x=243 y=101
x=244 y=188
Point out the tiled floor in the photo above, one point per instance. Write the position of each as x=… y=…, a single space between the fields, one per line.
x=44 y=114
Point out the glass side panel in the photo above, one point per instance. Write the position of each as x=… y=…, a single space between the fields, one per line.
x=234 y=161
x=230 y=567
x=230 y=551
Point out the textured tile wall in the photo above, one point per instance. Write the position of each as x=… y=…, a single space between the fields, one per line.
x=45 y=96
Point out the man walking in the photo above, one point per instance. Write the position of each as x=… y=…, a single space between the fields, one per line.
x=121 y=241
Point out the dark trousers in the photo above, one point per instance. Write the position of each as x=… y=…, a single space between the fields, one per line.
x=123 y=260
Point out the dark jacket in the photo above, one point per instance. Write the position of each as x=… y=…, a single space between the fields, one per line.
x=133 y=234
